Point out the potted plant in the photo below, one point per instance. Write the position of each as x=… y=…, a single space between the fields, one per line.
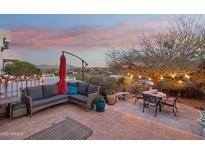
x=111 y=99
x=99 y=104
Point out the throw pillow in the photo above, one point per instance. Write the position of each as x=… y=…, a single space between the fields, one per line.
x=82 y=88
x=72 y=90
x=49 y=90
x=35 y=93
x=92 y=89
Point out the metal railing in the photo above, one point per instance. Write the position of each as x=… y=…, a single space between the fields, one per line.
x=13 y=88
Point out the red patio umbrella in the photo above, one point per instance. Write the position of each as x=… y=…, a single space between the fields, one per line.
x=62 y=87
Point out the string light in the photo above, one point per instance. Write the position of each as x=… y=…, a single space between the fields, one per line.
x=180 y=81
x=150 y=79
x=140 y=76
x=22 y=77
x=187 y=76
x=161 y=78
x=173 y=75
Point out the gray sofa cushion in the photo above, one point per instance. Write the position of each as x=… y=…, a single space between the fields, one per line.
x=49 y=90
x=73 y=84
x=35 y=93
x=80 y=98
x=48 y=100
x=92 y=89
x=82 y=88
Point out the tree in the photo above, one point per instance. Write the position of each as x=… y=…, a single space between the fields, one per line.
x=201 y=66
x=180 y=46
x=18 y=68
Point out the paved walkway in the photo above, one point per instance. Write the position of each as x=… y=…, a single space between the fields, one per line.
x=112 y=124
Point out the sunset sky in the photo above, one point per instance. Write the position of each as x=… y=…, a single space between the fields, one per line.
x=40 y=38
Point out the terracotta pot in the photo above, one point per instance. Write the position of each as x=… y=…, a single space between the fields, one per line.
x=111 y=99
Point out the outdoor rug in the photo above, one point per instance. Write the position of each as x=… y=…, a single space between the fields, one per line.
x=67 y=129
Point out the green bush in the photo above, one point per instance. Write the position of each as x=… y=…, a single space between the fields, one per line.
x=106 y=83
x=18 y=68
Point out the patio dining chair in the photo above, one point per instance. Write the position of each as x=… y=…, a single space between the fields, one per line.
x=136 y=92
x=172 y=103
x=149 y=100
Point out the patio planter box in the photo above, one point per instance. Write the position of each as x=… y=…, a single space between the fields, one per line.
x=44 y=96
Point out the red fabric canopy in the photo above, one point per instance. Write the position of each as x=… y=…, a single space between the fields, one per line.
x=62 y=87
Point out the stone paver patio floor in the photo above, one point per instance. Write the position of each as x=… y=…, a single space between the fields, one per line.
x=114 y=123
x=185 y=119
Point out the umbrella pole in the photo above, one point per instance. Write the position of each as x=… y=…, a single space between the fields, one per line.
x=83 y=62
x=83 y=77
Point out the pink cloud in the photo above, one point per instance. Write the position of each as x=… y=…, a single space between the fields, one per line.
x=82 y=38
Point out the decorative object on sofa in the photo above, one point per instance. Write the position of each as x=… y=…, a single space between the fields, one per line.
x=82 y=88
x=72 y=90
x=99 y=104
x=62 y=87
x=110 y=95
x=73 y=84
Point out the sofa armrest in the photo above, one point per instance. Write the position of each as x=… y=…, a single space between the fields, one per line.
x=91 y=97
x=28 y=101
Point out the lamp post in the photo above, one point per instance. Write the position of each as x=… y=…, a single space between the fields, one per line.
x=84 y=64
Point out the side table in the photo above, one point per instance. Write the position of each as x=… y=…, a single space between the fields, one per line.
x=9 y=101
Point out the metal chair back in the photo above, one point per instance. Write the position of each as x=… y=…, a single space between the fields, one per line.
x=145 y=98
x=153 y=100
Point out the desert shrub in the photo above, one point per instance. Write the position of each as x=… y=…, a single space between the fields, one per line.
x=198 y=78
x=79 y=76
x=201 y=66
x=95 y=80
x=105 y=82
x=109 y=82
x=121 y=81
x=187 y=89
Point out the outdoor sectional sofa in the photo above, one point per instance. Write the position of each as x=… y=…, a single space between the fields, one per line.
x=44 y=96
